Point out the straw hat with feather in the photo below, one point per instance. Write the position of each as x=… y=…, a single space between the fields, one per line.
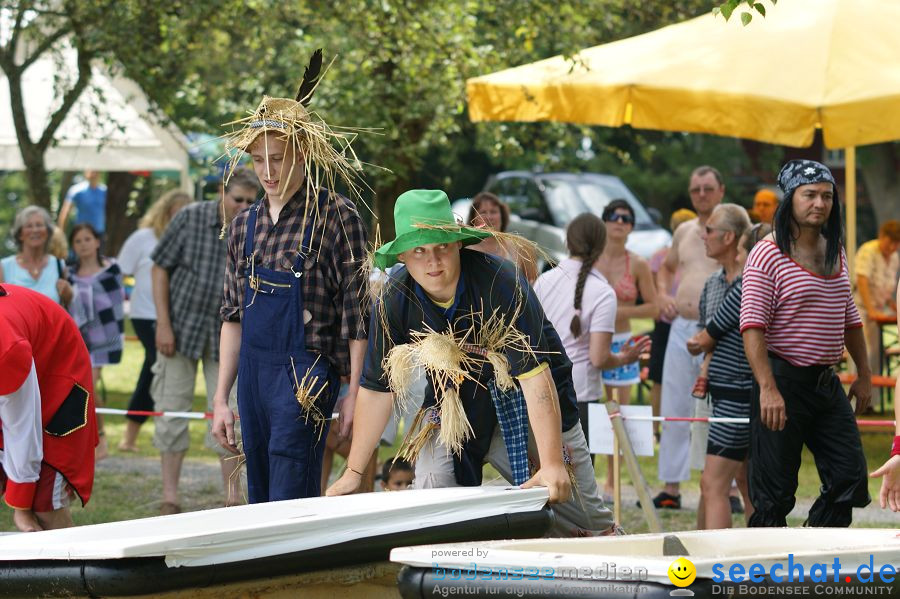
x=326 y=152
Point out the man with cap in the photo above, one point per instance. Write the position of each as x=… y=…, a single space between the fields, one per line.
x=49 y=429
x=293 y=312
x=507 y=369
x=797 y=314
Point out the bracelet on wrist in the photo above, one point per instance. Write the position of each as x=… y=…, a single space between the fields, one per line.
x=353 y=470
x=895 y=448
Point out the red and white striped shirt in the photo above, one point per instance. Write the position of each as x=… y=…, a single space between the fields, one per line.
x=803 y=314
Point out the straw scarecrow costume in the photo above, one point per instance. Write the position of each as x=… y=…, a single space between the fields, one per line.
x=49 y=430
x=294 y=283
x=479 y=350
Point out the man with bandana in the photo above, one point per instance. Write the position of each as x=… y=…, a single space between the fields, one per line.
x=797 y=314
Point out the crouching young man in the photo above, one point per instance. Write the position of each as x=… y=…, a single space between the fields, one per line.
x=493 y=362
x=48 y=428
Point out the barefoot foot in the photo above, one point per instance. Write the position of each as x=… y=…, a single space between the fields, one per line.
x=26 y=521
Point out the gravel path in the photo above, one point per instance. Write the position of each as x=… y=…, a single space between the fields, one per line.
x=871 y=515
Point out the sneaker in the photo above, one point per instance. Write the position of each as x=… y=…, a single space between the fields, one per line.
x=736 y=506
x=665 y=501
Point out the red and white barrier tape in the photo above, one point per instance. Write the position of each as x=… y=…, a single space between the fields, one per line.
x=189 y=415
x=208 y=416
x=737 y=420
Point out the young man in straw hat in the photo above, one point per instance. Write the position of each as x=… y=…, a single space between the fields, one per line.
x=293 y=317
x=494 y=364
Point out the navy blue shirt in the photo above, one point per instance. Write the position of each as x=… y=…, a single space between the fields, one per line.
x=486 y=284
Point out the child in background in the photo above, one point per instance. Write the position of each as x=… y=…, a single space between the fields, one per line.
x=98 y=308
x=396 y=475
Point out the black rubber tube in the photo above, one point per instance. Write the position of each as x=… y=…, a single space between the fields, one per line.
x=140 y=576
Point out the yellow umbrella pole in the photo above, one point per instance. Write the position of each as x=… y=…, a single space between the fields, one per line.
x=850 y=173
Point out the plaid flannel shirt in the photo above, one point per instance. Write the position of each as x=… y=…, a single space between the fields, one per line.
x=512 y=416
x=191 y=251
x=714 y=290
x=334 y=287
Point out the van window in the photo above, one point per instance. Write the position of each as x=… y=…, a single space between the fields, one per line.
x=523 y=198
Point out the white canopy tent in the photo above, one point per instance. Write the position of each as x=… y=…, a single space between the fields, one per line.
x=109 y=128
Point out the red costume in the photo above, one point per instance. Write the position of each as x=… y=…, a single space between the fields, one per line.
x=39 y=338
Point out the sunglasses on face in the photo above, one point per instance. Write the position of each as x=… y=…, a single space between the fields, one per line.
x=709 y=230
x=625 y=219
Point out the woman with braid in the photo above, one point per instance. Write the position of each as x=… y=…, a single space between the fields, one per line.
x=581 y=304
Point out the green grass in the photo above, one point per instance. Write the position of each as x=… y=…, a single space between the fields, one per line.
x=127 y=494
x=118 y=384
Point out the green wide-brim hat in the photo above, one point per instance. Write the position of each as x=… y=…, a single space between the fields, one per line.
x=421 y=217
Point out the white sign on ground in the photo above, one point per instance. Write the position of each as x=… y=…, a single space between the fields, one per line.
x=600 y=432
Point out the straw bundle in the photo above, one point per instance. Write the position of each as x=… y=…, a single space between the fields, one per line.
x=303 y=392
x=498 y=335
x=418 y=434
x=447 y=365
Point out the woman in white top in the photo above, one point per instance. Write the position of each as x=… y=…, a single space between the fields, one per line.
x=134 y=259
x=577 y=299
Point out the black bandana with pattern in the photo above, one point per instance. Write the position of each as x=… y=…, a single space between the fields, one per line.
x=802 y=172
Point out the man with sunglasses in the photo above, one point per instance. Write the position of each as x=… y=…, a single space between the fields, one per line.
x=680 y=369
x=188 y=282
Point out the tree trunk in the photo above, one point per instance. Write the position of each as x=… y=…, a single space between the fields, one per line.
x=33 y=151
x=385 y=196
x=879 y=164
x=36 y=176
x=65 y=183
x=119 y=224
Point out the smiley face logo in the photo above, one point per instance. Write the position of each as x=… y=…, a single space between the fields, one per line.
x=682 y=572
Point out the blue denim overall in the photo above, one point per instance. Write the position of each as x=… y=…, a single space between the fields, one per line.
x=283 y=447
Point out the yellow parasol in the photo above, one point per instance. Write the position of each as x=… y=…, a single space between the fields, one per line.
x=809 y=64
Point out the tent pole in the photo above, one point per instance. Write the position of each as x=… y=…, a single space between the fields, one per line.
x=850 y=203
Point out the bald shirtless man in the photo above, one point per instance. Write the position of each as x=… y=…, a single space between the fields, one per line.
x=688 y=255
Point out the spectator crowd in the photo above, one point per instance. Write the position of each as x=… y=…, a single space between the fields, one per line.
x=455 y=332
